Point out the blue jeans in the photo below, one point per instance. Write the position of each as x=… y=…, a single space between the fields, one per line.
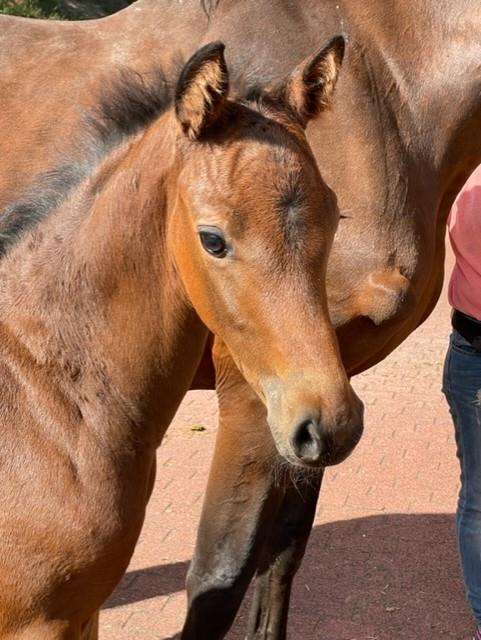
x=462 y=388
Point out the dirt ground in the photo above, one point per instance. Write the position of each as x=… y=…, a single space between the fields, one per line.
x=381 y=562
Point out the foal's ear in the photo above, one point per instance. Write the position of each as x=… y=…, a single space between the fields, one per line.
x=202 y=90
x=309 y=88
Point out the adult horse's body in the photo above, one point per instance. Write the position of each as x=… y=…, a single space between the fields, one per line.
x=105 y=300
x=403 y=135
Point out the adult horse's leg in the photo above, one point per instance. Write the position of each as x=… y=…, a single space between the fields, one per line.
x=257 y=514
x=241 y=500
x=280 y=560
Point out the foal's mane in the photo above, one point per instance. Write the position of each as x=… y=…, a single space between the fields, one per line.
x=126 y=105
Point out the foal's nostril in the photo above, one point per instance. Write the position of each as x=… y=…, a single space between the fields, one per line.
x=306 y=441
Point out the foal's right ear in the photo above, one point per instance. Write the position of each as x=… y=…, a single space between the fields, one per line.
x=202 y=90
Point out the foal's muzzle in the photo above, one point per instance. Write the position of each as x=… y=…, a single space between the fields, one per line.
x=315 y=444
x=313 y=429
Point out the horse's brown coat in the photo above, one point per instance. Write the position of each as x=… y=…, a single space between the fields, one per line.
x=402 y=136
x=105 y=305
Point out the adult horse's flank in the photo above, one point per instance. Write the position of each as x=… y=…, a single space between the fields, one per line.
x=214 y=215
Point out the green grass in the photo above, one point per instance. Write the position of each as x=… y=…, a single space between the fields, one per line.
x=31 y=8
x=64 y=9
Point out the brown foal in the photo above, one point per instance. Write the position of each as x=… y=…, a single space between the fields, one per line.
x=212 y=217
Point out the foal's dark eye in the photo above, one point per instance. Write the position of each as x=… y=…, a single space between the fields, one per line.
x=213 y=242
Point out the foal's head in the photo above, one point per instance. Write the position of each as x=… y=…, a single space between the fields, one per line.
x=251 y=232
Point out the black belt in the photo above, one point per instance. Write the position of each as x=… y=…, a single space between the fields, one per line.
x=467 y=327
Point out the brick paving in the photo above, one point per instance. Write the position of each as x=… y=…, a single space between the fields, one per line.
x=381 y=563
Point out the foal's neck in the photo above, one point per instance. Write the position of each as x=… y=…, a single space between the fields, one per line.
x=99 y=292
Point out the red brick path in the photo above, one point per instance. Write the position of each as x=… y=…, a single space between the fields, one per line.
x=381 y=564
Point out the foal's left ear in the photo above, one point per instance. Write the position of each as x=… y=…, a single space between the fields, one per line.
x=310 y=87
x=202 y=90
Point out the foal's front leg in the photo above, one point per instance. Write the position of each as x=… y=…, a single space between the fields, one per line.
x=251 y=501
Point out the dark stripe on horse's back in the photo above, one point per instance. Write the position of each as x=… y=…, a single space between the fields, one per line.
x=46 y=194
x=127 y=104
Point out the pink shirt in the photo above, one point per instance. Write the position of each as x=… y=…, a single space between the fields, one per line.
x=464 y=226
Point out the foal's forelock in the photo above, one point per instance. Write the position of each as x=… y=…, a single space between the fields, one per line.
x=291 y=199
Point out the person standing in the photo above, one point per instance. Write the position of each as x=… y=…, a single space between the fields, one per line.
x=462 y=380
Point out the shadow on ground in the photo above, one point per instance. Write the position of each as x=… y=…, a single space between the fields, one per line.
x=385 y=577
x=144 y=584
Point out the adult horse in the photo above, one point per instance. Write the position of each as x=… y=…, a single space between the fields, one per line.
x=402 y=136
x=105 y=301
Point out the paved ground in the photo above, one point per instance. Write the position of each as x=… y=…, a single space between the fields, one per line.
x=381 y=564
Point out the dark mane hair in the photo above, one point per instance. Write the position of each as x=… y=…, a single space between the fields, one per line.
x=127 y=104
